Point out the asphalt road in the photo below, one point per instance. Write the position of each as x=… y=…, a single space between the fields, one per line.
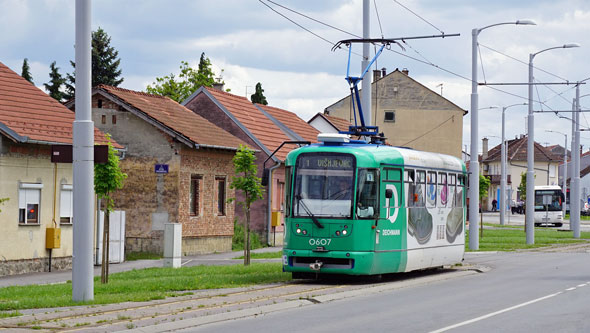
x=522 y=292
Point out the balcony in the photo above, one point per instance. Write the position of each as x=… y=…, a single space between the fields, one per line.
x=496 y=179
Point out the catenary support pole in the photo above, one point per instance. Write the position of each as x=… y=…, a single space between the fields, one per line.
x=366 y=87
x=530 y=174
x=83 y=162
x=473 y=162
x=503 y=171
x=575 y=215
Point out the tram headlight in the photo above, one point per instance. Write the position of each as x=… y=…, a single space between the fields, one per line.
x=337 y=232
x=298 y=231
x=304 y=232
x=344 y=232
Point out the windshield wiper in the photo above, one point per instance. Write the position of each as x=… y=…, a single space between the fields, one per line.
x=313 y=218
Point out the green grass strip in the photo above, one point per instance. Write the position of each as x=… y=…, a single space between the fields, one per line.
x=263 y=255
x=144 y=285
x=510 y=238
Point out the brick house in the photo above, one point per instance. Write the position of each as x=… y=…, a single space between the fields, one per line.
x=39 y=192
x=410 y=114
x=159 y=133
x=263 y=127
x=328 y=124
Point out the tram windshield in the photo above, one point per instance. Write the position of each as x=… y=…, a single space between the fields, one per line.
x=324 y=185
x=555 y=201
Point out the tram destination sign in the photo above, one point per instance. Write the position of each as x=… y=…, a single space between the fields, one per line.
x=333 y=162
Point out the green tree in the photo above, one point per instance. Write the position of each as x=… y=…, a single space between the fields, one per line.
x=55 y=83
x=108 y=178
x=188 y=81
x=484 y=185
x=105 y=64
x=247 y=182
x=26 y=72
x=258 y=96
x=522 y=186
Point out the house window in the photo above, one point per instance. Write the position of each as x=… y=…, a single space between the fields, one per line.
x=389 y=116
x=29 y=203
x=103 y=119
x=66 y=204
x=114 y=119
x=220 y=195
x=194 y=195
x=100 y=103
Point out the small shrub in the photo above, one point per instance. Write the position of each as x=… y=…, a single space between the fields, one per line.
x=238 y=238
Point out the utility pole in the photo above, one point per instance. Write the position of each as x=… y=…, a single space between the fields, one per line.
x=83 y=162
x=368 y=78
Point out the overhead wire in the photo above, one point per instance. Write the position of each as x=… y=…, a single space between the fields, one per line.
x=418 y=16
x=481 y=62
x=378 y=19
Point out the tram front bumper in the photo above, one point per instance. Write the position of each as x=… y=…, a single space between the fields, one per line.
x=331 y=262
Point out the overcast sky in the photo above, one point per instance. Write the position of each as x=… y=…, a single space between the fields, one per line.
x=300 y=73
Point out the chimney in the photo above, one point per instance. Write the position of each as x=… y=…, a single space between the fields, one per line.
x=218 y=86
x=383 y=72
x=406 y=71
x=376 y=75
x=484 y=153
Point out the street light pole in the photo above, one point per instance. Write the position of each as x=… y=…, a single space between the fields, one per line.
x=503 y=153
x=473 y=161
x=530 y=174
x=575 y=222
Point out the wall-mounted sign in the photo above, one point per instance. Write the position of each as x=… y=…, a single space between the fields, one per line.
x=161 y=168
x=64 y=154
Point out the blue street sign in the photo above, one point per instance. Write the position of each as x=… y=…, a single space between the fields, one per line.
x=161 y=168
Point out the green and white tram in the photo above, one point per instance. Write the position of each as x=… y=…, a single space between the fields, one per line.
x=363 y=209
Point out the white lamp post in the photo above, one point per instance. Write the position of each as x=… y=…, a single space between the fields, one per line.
x=564 y=186
x=530 y=174
x=503 y=152
x=473 y=162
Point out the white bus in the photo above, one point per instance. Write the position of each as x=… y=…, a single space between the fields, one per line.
x=548 y=205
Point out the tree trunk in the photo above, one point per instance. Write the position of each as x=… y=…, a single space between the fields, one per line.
x=247 y=256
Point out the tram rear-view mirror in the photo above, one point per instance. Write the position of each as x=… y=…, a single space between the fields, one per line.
x=388 y=193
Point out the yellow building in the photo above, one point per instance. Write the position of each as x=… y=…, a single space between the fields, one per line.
x=409 y=114
x=39 y=192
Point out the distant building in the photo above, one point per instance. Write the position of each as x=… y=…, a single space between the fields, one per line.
x=328 y=124
x=409 y=114
x=516 y=163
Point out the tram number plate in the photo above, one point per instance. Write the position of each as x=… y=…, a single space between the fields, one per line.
x=319 y=241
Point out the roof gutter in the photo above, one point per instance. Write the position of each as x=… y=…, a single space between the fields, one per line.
x=9 y=132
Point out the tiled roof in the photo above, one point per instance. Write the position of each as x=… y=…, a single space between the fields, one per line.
x=176 y=117
x=254 y=121
x=293 y=122
x=340 y=123
x=29 y=112
x=517 y=151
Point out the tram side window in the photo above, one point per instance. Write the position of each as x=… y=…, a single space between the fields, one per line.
x=420 y=188
x=288 y=175
x=409 y=177
x=443 y=192
x=367 y=193
x=452 y=190
x=431 y=189
x=460 y=190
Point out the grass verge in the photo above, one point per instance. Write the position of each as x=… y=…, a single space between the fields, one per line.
x=510 y=238
x=143 y=285
x=131 y=256
x=263 y=255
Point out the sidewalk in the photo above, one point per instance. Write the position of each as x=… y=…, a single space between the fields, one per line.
x=225 y=258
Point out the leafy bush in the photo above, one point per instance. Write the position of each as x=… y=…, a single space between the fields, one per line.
x=238 y=239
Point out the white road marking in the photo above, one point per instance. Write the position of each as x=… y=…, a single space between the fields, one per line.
x=186 y=262
x=570 y=289
x=582 y=285
x=467 y=322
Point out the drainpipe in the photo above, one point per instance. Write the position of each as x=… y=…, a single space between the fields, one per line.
x=269 y=208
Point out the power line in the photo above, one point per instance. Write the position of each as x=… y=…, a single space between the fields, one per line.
x=481 y=62
x=522 y=62
x=420 y=17
x=378 y=19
